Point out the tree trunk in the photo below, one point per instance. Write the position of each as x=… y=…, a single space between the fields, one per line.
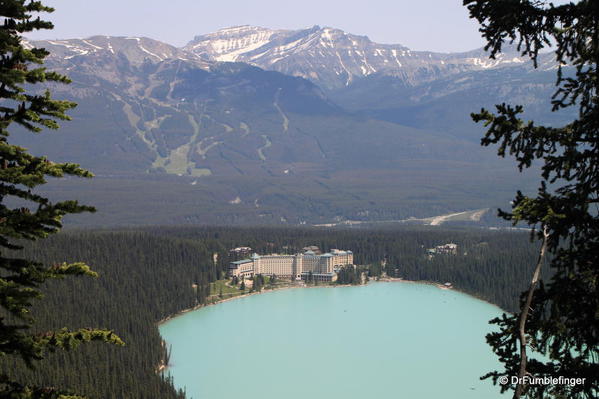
x=524 y=315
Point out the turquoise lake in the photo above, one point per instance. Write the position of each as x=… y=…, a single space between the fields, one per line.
x=383 y=340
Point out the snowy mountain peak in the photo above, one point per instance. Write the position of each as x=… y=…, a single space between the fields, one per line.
x=136 y=49
x=327 y=56
x=230 y=44
x=240 y=30
x=331 y=57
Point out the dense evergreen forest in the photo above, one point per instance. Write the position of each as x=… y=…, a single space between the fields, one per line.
x=147 y=275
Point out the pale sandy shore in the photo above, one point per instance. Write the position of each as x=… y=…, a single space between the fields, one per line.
x=161 y=367
x=182 y=312
x=297 y=286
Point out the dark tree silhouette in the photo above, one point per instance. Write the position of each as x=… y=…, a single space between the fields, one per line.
x=35 y=217
x=559 y=318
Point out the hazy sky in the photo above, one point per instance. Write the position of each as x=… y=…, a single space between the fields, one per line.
x=438 y=25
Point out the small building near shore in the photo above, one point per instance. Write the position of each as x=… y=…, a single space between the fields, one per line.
x=448 y=249
x=241 y=251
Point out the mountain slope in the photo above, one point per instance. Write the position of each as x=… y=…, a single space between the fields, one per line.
x=445 y=104
x=425 y=90
x=334 y=59
x=136 y=50
x=183 y=116
x=174 y=138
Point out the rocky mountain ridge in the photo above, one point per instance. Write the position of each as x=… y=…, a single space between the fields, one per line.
x=329 y=57
x=136 y=50
x=249 y=144
x=333 y=58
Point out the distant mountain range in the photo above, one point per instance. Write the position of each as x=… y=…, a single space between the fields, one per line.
x=277 y=126
x=333 y=58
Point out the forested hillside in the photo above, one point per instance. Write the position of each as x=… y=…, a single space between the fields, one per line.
x=246 y=146
x=492 y=265
x=143 y=278
x=147 y=275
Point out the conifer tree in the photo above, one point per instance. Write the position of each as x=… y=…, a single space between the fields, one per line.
x=24 y=106
x=560 y=318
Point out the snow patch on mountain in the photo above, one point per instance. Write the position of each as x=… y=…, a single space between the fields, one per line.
x=137 y=50
x=230 y=43
x=331 y=57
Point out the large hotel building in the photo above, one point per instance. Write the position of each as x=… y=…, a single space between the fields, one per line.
x=299 y=266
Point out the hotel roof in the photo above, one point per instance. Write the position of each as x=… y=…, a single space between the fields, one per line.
x=241 y=262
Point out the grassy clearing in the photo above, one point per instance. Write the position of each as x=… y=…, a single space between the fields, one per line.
x=222 y=286
x=221 y=289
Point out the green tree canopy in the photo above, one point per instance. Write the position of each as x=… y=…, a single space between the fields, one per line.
x=559 y=318
x=35 y=216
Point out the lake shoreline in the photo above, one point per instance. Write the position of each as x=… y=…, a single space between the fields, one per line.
x=367 y=309
x=200 y=306
x=163 y=366
x=298 y=286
